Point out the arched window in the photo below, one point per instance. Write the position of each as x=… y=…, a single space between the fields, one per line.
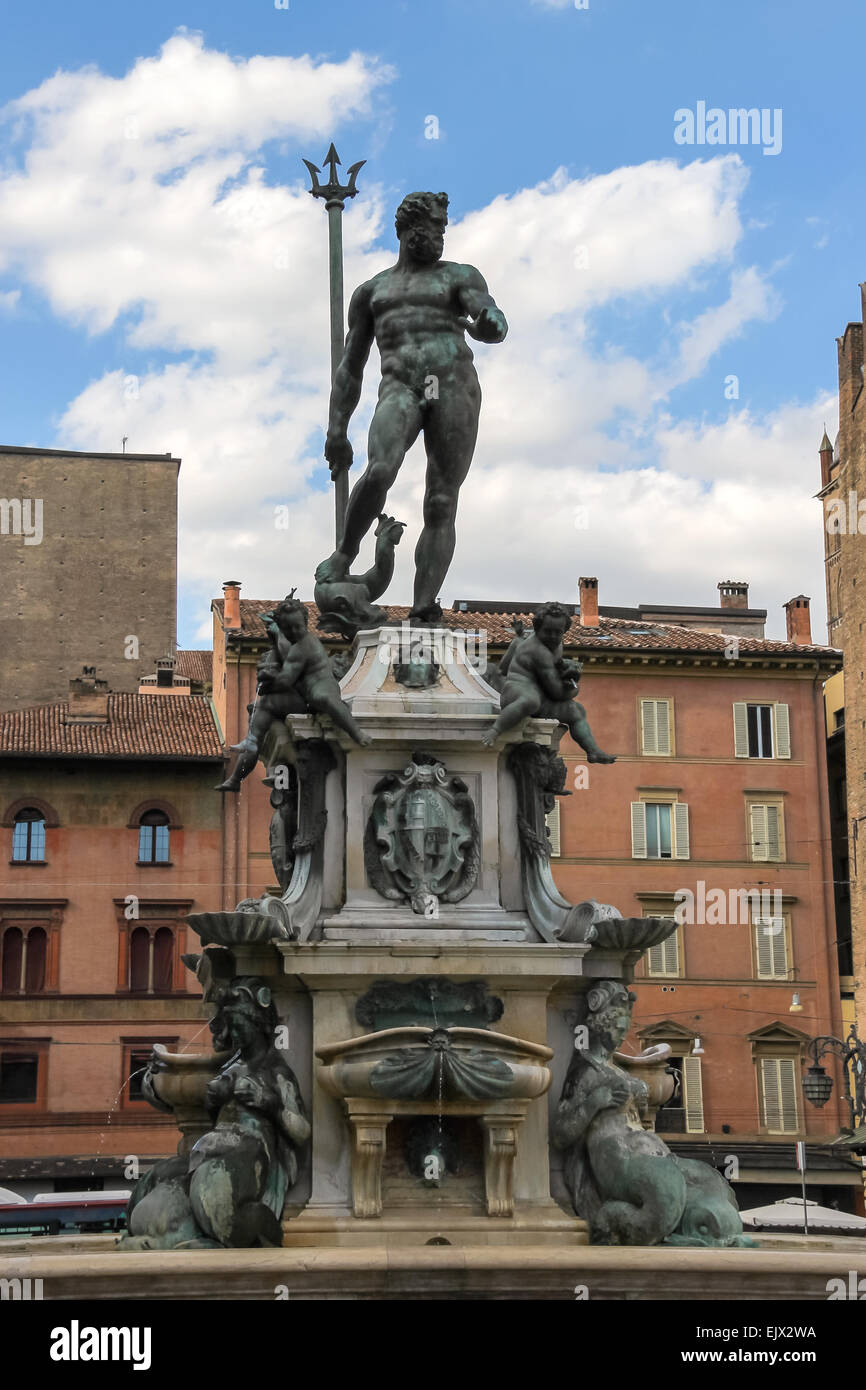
x=13 y=955
x=28 y=836
x=153 y=838
x=24 y=959
x=139 y=960
x=151 y=960
x=163 y=960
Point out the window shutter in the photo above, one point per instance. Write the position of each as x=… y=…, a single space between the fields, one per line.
x=779 y=1086
x=764 y=950
x=771 y=948
x=655 y=721
x=681 y=830
x=788 y=1094
x=664 y=959
x=772 y=1116
x=552 y=819
x=741 y=730
x=759 y=831
x=638 y=830
x=781 y=731
x=693 y=1095
x=774 y=828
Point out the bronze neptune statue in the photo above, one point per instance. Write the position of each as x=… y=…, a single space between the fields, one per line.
x=417 y=312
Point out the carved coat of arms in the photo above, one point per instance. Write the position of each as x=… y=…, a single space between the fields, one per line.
x=421 y=843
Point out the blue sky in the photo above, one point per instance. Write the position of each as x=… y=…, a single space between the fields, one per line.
x=556 y=132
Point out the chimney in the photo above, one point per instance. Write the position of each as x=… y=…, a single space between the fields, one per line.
x=734 y=593
x=588 y=602
x=88 y=698
x=825 y=453
x=232 y=605
x=165 y=672
x=798 y=621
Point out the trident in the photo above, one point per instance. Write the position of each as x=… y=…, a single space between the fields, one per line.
x=335 y=195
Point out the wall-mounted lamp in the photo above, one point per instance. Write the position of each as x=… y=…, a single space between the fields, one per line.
x=697 y=1050
x=795 y=1007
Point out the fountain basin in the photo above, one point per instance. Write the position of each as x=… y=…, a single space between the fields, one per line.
x=443 y=1064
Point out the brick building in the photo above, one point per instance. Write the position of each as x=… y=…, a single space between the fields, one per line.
x=842 y=494
x=89 y=549
x=112 y=833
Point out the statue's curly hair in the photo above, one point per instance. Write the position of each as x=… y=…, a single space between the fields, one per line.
x=551 y=610
x=417 y=207
x=600 y=996
x=290 y=604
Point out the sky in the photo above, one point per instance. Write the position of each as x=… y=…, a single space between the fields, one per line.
x=654 y=415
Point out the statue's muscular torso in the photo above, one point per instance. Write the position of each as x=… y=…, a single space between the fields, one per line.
x=417 y=321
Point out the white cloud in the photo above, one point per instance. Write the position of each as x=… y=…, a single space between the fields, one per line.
x=144 y=200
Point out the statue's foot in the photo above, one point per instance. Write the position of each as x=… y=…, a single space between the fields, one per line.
x=596 y=756
x=428 y=613
x=231 y=784
x=246 y=745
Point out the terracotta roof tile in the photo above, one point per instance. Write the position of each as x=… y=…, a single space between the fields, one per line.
x=619 y=634
x=139 y=726
x=194 y=666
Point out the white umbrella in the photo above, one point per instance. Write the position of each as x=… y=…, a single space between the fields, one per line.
x=789 y=1212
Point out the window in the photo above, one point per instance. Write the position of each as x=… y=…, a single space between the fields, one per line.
x=552 y=820
x=684 y=1112
x=772 y=948
x=138 y=1059
x=136 y=1055
x=778 y=1077
x=24 y=955
x=28 y=837
x=22 y=1073
x=19 y=1075
x=766 y=831
x=659 y=830
x=656 y=727
x=153 y=838
x=151 y=960
x=761 y=731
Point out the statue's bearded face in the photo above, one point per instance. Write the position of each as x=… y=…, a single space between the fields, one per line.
x=425 y=240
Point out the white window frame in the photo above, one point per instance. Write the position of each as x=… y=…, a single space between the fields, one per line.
x=680 y=838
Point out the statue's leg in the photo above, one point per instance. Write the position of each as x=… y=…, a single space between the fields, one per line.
x=450 y=431
x=394 y=428
x=266 y=711
x=511 y=715
x=578 y=726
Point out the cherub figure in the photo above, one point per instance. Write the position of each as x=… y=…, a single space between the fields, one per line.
x=538 y=679
x=295 y=677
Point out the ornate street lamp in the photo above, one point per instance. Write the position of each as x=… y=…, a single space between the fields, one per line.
x=818 y=1086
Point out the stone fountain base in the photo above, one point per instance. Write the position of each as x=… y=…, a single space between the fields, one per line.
x=535 y=1272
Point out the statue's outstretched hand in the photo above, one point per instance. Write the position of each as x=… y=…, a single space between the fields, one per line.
x=338 y=452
